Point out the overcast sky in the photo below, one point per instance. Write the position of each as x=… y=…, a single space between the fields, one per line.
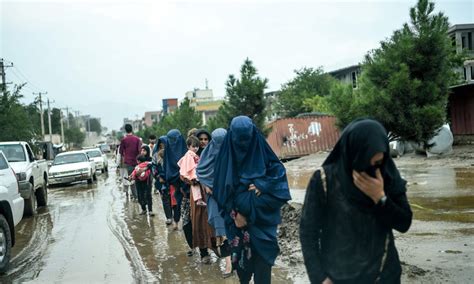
x=116 y=59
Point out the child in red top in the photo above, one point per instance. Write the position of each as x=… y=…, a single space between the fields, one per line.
x=187 y=168
x=143 y=180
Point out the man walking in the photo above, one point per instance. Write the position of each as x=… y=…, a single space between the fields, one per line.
x=129 y=150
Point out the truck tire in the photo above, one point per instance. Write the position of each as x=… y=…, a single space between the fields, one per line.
x=30 y=205
x=5 y=244
x=106 y=167
x=42 y=195
x=95 y=177
x=102 y=170
x=91 y=180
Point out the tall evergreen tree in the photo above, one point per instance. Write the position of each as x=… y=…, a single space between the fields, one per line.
x=405 y=82
x=244 y=96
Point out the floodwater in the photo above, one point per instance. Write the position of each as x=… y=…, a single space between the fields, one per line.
x=92 y=233
x=439 y=247
x=435 y=194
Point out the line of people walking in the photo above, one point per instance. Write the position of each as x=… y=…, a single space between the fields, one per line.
x=227 y=188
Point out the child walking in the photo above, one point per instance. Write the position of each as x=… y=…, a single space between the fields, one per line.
x=142 y=176
x=187 y=168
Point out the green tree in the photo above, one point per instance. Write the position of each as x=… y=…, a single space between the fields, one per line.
x=55 y=121
x=244 y=96
x=405 y=82
x=14 y=118
x=75 y=136
x=300 y=94
x=95 y=125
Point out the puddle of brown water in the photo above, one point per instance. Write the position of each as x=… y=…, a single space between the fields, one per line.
x=435 y=194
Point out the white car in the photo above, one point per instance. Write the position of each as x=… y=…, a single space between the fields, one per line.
x=100 y=159
x=72 y=166
x=11 y=211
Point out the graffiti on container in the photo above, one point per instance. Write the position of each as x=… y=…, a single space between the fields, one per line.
x=314 y=129
x=290 y=141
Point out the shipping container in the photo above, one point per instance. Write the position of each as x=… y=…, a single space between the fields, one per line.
x=297 y=137
x=461 y=108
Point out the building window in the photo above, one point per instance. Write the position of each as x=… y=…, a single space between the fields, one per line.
x=469 y=40
x=463 y=42
x=472 y=72
x=354 y=80
x=465 y=76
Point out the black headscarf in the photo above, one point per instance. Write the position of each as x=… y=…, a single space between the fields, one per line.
x=209 y=137
x=359 y=142
x=147 y=150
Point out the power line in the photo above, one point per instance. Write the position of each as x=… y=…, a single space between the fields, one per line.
x=22 y=80
x=26 y=78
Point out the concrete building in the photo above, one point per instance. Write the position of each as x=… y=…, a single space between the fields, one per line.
x=461 y=98
x=203 y=101
x=169 y=106
x=152 y=117
x=463 y=39
x=197 y=95
x=208 y=109
x=136 y=124
x=270 y=101
x=348 y=75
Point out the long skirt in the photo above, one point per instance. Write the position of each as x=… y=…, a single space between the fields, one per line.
x=202 y=232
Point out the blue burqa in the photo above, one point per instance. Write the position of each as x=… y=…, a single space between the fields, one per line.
x=157 y=168
x=175 y=149
x=205 y=174
x=162 y=140
x=246 y=158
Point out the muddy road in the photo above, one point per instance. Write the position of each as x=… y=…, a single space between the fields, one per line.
x=439 y=247
x=93 y=234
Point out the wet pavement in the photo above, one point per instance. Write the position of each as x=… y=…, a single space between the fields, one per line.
x=93 y=234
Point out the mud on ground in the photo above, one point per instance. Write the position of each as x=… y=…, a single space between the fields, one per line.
x=439 y=246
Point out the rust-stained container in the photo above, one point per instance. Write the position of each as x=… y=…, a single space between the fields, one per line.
x=297 y=137
x=461 y=102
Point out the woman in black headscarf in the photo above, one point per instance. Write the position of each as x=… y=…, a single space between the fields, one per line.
x=204 y=138
x=351 y=206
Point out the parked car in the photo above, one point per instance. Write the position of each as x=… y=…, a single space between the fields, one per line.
x=72 y=166
x=105 y=148
x=11 y=210
x=100 y=159
x=32 y=174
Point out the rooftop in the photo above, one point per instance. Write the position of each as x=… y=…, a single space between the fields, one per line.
x=461 y=27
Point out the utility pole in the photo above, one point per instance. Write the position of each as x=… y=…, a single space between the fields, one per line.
x=67 y=116
x=41 y=111
x=62 y=126
x=2 y=73
x=49 y=124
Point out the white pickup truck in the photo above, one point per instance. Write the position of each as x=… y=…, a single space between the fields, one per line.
x=11 y=210
x=32 y=174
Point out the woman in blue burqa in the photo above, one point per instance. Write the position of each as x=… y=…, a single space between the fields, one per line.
x=250 y=186
x=352 y=204
x=175 y=148
x=205 y=173
x=158 y=168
